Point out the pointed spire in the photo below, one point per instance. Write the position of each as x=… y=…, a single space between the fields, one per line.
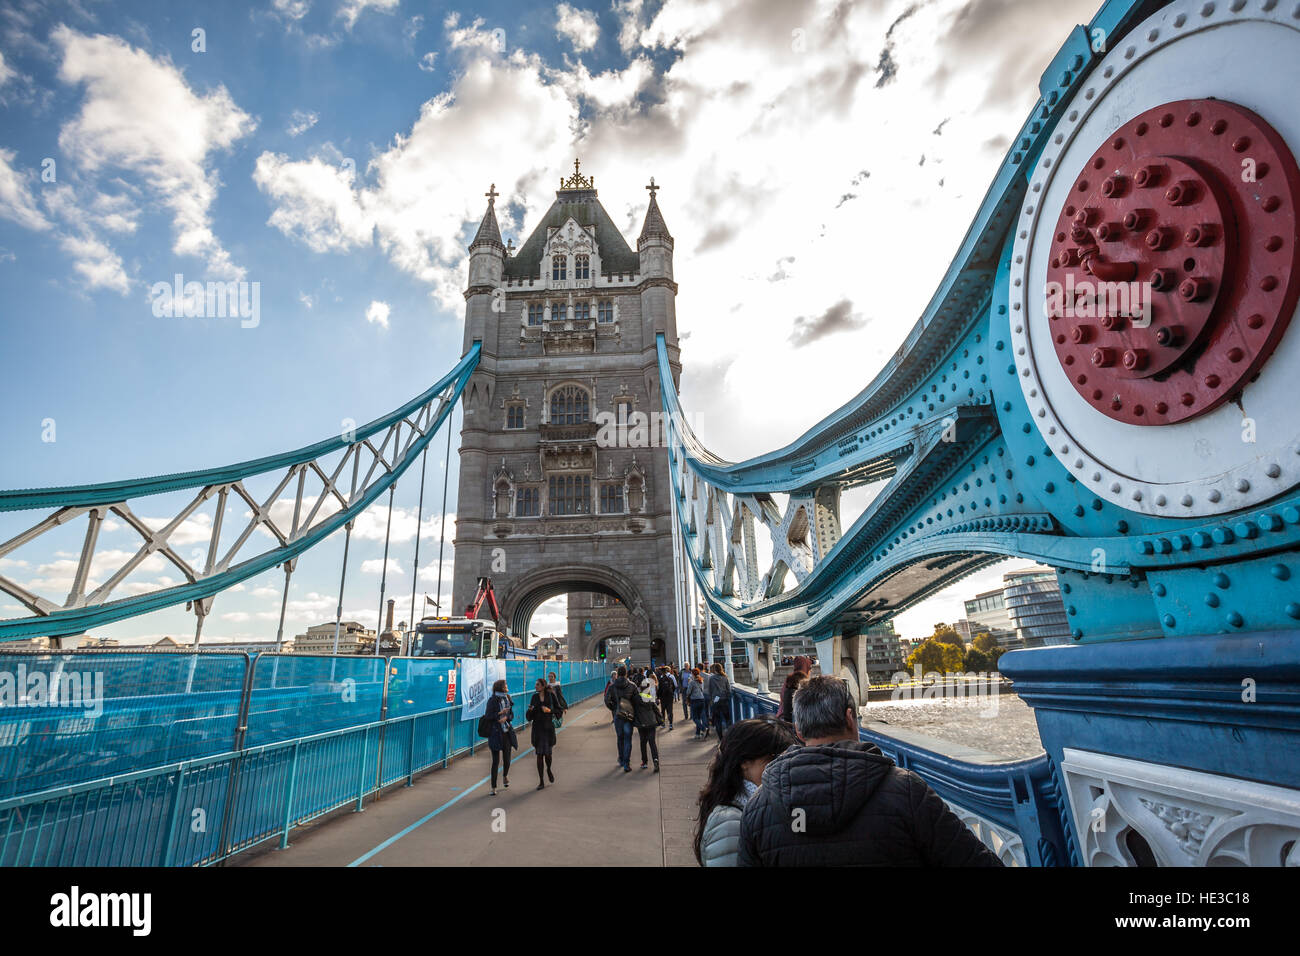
x=654 y=226
x=488 y=231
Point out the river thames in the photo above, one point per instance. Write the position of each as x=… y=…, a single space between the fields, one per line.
x=1001 y=724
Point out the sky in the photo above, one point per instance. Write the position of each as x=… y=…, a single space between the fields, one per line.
x=819 y=163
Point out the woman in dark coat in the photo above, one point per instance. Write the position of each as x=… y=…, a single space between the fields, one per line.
x=542 y=710
x=501 y=718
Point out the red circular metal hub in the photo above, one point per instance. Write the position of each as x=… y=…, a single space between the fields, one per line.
x=1175 y=265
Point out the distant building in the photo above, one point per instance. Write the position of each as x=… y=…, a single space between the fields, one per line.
x=1034 y=604
x=550 y=649
x=601 y=622
x=319 y=639
x=884 y=653
x=987 y=611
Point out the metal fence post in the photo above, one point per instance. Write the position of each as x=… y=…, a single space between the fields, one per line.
x=288 y=800
x=361 y=774
x=169 y=841
x=410 y=758
x=237 y=760
x=446 y=754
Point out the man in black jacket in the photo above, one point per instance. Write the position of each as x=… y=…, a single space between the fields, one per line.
x=619 y=697
x=837 y=801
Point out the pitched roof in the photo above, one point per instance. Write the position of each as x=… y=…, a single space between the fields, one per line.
x=615 y=254
x=487 y=229
x=654 y=222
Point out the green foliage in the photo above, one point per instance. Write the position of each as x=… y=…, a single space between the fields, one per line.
x=936 y=656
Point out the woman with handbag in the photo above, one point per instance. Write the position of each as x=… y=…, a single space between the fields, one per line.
x=557 y=692
x=500 y=715
x=542 y=710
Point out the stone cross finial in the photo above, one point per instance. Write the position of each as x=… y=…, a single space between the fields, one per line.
x=653 y=188
x=492 y=195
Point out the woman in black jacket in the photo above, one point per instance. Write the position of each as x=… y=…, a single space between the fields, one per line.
x=501 y=740
x=646 y=708
x=542 y=710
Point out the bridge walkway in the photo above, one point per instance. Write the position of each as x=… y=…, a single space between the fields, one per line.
x=593 y=815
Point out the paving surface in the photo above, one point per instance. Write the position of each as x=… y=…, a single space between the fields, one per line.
x=593 y=815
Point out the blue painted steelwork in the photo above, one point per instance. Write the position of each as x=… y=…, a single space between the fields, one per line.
x=203 y=810
x=79 y=617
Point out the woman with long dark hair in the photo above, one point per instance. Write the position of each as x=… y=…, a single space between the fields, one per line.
x=542 y=710
x=734 y=776
x=500 y=714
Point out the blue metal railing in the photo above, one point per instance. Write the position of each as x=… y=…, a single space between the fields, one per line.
x=207 y=807
x=1021 y=797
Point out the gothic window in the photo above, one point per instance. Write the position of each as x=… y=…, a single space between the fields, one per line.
x=515 y=416
x=559 y=313
x=570 y=405
x=529 y=502
x=605 y=312
x=581 y=267
x=570 y=494
x=536 y=312
x=559 y=267
x=598 y=600
x=635 y=494
x=582 y=312
x=502 y=499
x=611 y=499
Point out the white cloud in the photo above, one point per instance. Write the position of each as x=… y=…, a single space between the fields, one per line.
x=427 y=62
x=578 y=26
x=376 y=565
x=300 y=122
x=308 y=301
x=351 y=10
x=139 y=116
x=7 y=72
x=377 y=312
x=17 y=202
x=291 y=9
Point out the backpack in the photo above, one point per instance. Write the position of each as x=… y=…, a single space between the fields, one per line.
x=625 y=709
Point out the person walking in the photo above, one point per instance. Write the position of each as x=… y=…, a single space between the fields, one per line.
x=684 y=685
x=542 y=711
x=695 y=690
x=610 y=706
x=648 y=720
x=858 y=808
x=793 y=681
x=557 y=692
x=735 y=774
x=620 y=701
x=667 y=692
x=500 y=714
x=718 y=692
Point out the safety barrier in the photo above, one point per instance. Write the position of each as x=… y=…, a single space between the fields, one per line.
x=1016 y=808
x=206 y=807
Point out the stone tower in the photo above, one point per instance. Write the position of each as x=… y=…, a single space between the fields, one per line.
x=563 y=477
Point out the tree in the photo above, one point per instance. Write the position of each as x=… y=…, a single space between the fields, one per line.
x=975 y=660
x=936 y=656
x=946 y=634
x=927 y=658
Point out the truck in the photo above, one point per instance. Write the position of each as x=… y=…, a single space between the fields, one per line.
x=469 y=636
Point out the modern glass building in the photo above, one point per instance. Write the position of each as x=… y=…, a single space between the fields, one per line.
x=1033 y=602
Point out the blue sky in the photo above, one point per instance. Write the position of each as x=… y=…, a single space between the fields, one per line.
x=336 y=152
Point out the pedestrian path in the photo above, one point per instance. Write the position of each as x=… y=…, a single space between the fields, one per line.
x=593 y=815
